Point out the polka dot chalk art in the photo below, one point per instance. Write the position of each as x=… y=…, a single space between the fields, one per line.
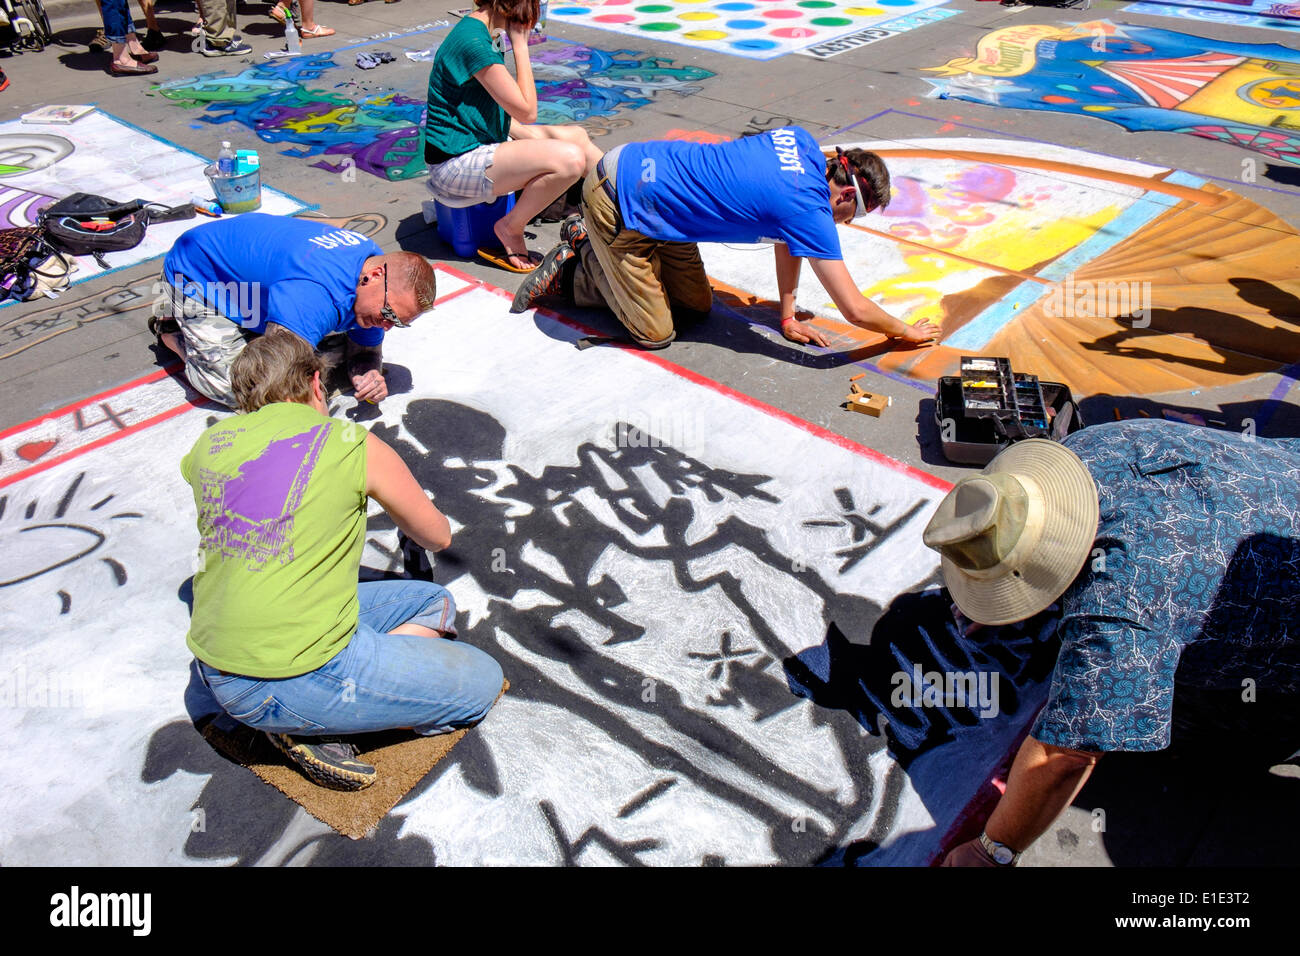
x=757 y=29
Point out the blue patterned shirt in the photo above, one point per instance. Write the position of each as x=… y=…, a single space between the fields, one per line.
x=1194 y=579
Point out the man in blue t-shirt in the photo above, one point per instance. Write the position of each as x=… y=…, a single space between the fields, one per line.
x=256 y=274
x=646 y=205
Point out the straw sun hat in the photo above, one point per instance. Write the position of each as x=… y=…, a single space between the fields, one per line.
x=1016 y=535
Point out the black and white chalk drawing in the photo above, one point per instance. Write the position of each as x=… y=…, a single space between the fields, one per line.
x=701 y=608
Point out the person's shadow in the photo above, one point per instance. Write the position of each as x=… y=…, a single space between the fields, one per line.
x=867 y=668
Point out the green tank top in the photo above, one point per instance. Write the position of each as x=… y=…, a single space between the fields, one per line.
x=461 y=114
x=281 y=500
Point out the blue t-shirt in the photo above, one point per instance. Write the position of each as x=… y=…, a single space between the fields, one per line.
x=766 y=188
x=256 y=269
x=1199 y=586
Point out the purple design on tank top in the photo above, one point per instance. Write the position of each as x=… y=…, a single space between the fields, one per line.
x=250 y=514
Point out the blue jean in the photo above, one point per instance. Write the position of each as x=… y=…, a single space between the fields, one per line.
x=117 y=20
x=379 y=681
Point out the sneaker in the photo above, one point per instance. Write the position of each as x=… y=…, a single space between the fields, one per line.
x=153 y=40
x=233 y=48
x=546 y=279
x=163 y=325
x=327 y=761
x=573 y=231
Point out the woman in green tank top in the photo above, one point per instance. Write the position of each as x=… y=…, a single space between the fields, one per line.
x=481 y=136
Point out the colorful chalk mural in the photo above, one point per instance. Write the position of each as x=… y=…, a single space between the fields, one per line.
x=1257 y=13
x=380 y=133
x=757 y=30
x=1139 y=78
x=988 y=238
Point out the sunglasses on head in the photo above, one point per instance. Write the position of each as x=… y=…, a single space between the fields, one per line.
x=863 y=191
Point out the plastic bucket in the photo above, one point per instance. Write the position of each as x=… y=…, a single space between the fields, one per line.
x=470 y=227
x=237 y=193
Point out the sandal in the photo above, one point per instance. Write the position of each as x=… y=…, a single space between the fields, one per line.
x=355 y=3
x=498 y=256
x=319 y=31
x=277 y=13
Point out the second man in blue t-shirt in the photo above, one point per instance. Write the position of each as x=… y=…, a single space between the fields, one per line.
x=256 y=274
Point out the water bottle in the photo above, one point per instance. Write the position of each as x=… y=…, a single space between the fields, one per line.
x=226 y=161
x=292 y=41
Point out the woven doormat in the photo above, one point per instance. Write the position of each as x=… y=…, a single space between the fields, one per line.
x=401 y=759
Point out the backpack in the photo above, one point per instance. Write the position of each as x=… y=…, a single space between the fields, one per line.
x=85 y=224
x=30 y=266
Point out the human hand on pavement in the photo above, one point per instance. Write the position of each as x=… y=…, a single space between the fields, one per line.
x=370 y=387
x=921 y=332
x=970 y=853
x=798 y=329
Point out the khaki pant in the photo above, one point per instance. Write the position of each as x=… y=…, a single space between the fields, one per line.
x=641 y=280
x=218 y=21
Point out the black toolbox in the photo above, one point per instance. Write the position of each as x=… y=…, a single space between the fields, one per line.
x=989 y=406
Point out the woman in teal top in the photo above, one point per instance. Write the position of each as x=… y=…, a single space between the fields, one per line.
x=480 y=137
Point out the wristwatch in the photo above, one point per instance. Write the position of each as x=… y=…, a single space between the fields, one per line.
x=1002 y=854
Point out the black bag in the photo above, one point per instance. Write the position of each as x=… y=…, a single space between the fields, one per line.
x=85 y=224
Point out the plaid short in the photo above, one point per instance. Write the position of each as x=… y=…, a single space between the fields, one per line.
x=463 y=180
x=211 y=343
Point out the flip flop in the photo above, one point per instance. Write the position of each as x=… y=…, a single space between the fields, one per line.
x=320 y=31
x=499 y=257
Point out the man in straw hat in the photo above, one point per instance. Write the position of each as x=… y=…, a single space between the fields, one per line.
x=1174 y=555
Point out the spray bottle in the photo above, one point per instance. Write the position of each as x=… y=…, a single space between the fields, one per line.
x=292 y=41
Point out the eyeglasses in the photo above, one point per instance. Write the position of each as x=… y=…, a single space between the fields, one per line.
x=387 y=312
x=862 y=188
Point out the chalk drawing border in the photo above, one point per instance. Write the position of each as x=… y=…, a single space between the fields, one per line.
x=1235 y=184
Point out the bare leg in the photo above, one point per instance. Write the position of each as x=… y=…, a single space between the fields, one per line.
x=122 y=52
x=566 y=134
x=543 y=169
x=150 y=21
x=173 y=341
x=308 y=8
x=417 y=630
